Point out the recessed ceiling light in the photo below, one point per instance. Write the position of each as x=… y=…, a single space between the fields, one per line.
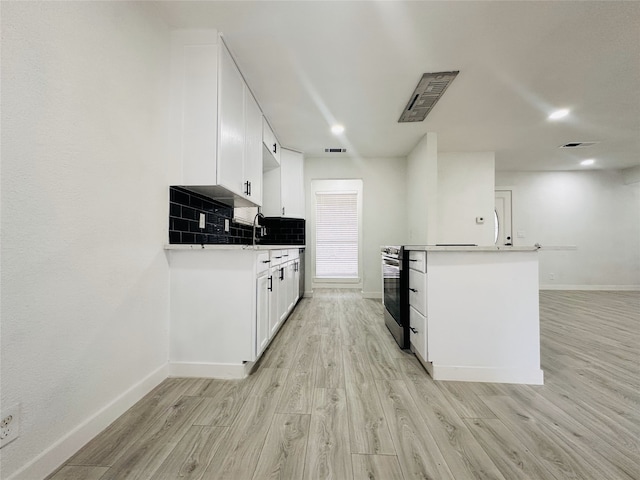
x=559 y=114
x=588 y=161
x=337 y=129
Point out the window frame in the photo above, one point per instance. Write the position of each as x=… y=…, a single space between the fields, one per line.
x=334 y=186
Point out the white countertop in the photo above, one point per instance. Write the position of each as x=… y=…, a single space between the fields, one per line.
x=460 y=248
x=227 y=246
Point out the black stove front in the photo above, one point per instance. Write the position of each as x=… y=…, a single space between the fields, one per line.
x=395 y=278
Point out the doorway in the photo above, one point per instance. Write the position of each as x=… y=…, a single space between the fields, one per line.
x=502 y=218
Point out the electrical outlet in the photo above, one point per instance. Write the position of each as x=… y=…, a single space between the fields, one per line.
x=201 y=223
x=226 y=225
x=552 y=276
x=9 y=425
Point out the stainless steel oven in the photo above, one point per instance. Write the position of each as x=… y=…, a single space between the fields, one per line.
x=395 y=273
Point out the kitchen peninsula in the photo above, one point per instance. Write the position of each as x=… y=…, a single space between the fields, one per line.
x=474 y=312
x=227 y=304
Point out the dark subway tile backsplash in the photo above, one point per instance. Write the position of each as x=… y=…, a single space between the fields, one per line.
x=284 y=231
x=185 y=208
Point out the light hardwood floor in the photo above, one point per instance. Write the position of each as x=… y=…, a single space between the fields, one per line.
x=334 y=398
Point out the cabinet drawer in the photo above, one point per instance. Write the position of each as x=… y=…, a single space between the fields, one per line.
x=418 y=291
x=276 y=257
x=418 y=261
x=418 y=333
x=262 y=262
x=294 y=254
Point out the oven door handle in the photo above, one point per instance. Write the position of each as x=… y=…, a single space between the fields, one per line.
x=392 y=263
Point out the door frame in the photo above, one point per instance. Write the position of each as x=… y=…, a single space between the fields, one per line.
x=505 y=236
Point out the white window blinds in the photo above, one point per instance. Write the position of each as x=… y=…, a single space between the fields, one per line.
x=336 y=234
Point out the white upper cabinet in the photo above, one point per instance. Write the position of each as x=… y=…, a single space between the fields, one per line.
x=216 y=129
x=292 y=166
x=283 y=194
x=230 y=124
x=252 y=148
x=271 y=158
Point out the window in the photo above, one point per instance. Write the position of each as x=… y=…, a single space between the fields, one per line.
x=337 y=232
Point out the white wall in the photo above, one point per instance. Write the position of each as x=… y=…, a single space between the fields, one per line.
x=84 y=219
x=592 y=210
x=466 y=190
x=384 y=208
x=422 y=191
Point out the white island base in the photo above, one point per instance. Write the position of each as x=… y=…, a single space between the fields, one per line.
x=480 y=315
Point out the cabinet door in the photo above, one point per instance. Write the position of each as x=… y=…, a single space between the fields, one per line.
x=262 y=313
x=296 y=282
x=274 y=293
x=292 y=166
x=252 y=148
x=194 y=119
x=271 y=190
x=283 y=296
x=230 y=124
x=418 y=334
x=291 y=290
x=271 y=147
x=418 y=290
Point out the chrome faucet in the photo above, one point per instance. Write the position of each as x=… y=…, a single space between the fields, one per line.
x=258 y=215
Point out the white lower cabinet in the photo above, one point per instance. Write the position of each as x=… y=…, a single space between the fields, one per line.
x=418 y=333
x=262 y=312
x=274 y=299
x=225 y=308
x=283 y=293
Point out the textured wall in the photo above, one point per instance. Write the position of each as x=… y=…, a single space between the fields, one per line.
x=84 y=212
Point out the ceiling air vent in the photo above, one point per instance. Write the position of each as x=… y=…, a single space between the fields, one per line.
x=578 y=144
x=429 y=90
x=335 y=150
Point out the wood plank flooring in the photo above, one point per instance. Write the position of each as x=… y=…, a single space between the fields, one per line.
x=334 y=398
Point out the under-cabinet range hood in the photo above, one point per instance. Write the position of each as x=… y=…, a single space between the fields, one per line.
x=429 y=90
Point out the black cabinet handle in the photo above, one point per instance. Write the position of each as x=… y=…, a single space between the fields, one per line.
x=266 y=261
x=270 y=287
x=275 y=148
x=281 y=273
x=283 y=210
x=249 y=188
x=413 y=290
x=413 y=260
x=413 y=330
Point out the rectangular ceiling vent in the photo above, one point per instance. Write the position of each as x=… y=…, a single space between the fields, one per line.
x=429 y=90
x=335 y=150
x=578 y=144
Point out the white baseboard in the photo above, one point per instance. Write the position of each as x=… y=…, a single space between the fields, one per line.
x=613 y=288
x=308 y=294
x=487 y=374
x=209 y=370
x=55 y=455
x=374 y=295
x=482 y=374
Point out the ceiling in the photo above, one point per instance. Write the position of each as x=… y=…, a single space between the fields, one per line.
x=315 y=63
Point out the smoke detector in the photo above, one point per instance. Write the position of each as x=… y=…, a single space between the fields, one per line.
x=335 y=150
x=429 y=90
x=578 y=145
